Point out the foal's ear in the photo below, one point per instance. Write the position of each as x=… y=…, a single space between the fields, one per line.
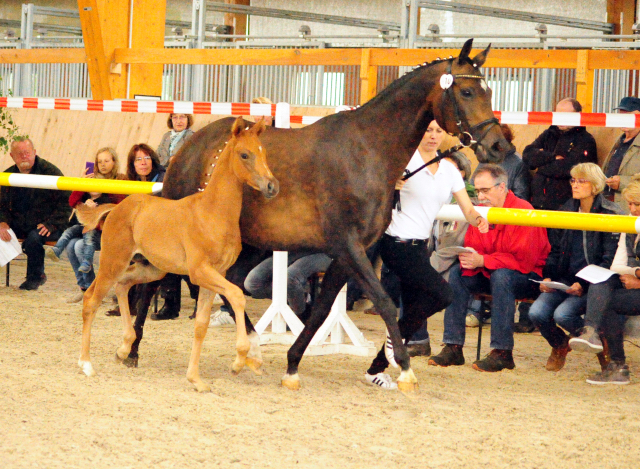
x=259 y=126
x=238 y=126
x=464 y=53
x=479 y=59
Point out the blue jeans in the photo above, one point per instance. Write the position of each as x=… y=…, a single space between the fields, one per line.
x=505 y=286
x=91 y=240
x=75 y=250
x=260 y=280
x=555 y=309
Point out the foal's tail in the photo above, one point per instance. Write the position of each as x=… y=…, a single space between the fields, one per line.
x=93 y=217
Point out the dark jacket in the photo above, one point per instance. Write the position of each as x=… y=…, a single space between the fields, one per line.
x=519 y=177
x=550 y=186
x=599 y=247
x=46 y=206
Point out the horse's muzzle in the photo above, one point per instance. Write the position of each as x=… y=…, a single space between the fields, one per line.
x=270 y=188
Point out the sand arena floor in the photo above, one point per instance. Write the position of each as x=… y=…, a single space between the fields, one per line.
x=52 y=416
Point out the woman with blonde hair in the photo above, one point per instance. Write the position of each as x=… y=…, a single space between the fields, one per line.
x=571 y=251
x=81 y=247
x=609 y=302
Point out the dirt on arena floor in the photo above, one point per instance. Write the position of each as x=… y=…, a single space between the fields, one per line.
x=52 y=416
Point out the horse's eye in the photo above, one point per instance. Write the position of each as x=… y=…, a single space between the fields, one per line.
x=244 y=156
x=467 y=93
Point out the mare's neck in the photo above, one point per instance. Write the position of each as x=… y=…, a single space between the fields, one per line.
x=223 y=194
x=398 y=117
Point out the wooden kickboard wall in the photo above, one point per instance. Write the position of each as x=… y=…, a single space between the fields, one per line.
x=69 y=138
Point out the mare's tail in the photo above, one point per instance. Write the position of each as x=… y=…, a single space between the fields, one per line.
x=93 y=217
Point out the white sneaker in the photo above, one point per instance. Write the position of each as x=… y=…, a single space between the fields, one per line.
x=76 y=297
x=472 y=320
x=221 y=318
x=382 y=380
x=388 y=352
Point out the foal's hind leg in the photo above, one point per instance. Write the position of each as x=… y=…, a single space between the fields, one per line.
x=92 y=299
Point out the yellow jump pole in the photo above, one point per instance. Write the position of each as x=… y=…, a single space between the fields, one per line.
x=109 y=186
x=548 y=219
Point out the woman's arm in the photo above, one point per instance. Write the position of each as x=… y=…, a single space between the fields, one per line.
x=621 y=259
x=469 y=211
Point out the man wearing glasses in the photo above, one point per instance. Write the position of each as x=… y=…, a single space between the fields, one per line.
x=503 y=263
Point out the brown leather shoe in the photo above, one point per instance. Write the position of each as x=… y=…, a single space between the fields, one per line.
x=557 y=358
x=603 y=357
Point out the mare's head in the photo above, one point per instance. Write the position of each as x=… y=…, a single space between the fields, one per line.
x=462 y=105
x=249 y=158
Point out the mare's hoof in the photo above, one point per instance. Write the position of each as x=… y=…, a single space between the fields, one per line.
x=130 y=362
x=407 y=381
x=291 y=382
x=254 y=365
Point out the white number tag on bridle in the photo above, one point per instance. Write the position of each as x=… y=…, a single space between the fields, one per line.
x=446 y=81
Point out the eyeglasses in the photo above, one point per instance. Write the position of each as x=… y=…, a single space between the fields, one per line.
x=176 y=117
x=578 y=181
x=485 y=190
x=139 y=159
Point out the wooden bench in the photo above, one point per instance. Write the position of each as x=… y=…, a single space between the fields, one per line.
x=487 y=298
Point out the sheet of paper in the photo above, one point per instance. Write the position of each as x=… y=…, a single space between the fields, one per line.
x=554 y=285
x=454 y=250
x=595 y=274
x=9 y=250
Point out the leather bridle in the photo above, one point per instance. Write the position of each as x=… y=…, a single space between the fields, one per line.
x=465 y=136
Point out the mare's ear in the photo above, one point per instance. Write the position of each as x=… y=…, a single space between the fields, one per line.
x=464 y=53
x=259 y=126
x=238 y=126
x=479 y=59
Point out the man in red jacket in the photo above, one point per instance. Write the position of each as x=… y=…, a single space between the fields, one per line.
x=505 y=261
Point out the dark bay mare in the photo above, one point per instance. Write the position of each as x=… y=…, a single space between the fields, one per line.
x=337 y=179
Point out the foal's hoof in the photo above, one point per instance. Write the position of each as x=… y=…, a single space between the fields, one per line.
x=87 y=368
x=131 y=362
x=202 y=387
x=291 y=382
x=407 y=382
x=254 y=365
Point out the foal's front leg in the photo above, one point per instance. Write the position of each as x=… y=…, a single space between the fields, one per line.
x=201 y=324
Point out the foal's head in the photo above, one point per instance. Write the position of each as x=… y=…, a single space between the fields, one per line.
x=249 y=158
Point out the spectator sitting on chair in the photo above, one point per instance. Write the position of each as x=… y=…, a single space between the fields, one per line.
x=37 y=215
x=571 y=251
x=301 y=266
x=610 y=301
x=553 y=154
x=505 y=261
x=81 y=255
x=623 y=160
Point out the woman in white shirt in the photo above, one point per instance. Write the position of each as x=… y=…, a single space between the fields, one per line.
x=403 y=247
x=609 y=302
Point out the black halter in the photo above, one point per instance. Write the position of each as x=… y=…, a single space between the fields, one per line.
x=465 y=136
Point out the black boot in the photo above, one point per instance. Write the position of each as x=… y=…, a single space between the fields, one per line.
x=168 y=311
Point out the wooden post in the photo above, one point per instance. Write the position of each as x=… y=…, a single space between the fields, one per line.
x=105 y=28
x=94 y=47
x=584 y=81
x=622 y=13
x=148 y=28
x=368 y=77
x=238 y=23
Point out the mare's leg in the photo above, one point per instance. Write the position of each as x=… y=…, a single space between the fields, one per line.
x=141 y=303
x=135 y=274
x=334 y=278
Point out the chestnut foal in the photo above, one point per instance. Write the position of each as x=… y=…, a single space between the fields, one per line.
x=198 y=235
